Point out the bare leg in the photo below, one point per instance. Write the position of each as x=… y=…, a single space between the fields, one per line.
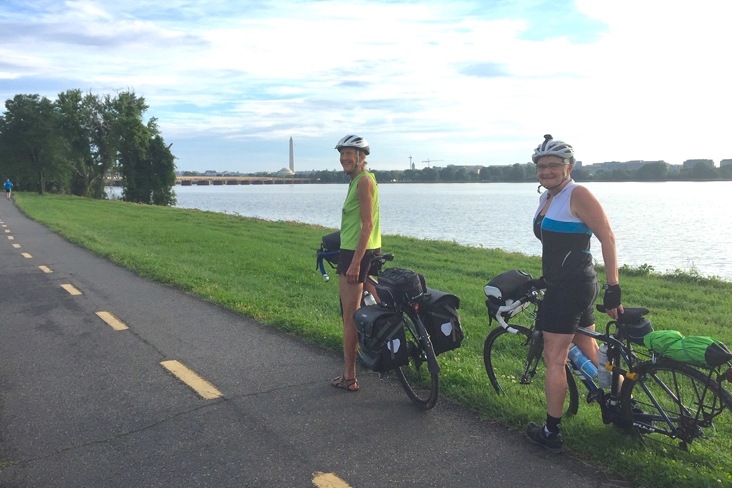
x=351 y=299
x=556 y=348
x=588 y=345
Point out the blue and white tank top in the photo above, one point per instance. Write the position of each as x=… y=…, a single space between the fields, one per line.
x=565 y=240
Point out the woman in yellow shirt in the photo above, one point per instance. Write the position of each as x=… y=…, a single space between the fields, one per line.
x=360 y=238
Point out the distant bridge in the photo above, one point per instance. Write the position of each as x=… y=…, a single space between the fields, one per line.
x=229 y=180
x=240 y=180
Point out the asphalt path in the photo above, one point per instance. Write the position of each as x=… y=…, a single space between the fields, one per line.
x=87 y=404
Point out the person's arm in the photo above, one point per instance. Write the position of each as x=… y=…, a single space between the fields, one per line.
x=587 y=208
x=365 y=193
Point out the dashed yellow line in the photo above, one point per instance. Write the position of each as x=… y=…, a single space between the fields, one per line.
x=26 y=255
x=112 y=321
x=7 y=231
x=71 y=289
x=11 y=237
x=199 y=385
x=16 y=246
x=45 y=269
x=328 y=480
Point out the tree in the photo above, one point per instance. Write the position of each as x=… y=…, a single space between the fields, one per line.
x=75 y=125
x=703 y=171
x=447 y=174
x=461 y=175
x=146 y=163
x=657 y=171
x=31 y=144
x=161 y=172
x=517 y=173
x=429 y=175
x=581 y=175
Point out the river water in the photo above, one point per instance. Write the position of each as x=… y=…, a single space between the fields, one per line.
x=669 y=226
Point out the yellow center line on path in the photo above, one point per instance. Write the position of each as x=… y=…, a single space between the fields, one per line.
x=45 y=269
x=328 y=480
x=112 y=321
x=71 y=289
x=11 y=237
x=199 y=385
x=26 y=255
x=16 y=246
x=4 y=225
x=7 y=231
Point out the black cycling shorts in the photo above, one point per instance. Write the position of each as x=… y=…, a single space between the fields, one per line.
x=565 y=308
x=344 y=261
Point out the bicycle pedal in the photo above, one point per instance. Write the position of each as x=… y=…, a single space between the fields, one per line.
x=595 y=396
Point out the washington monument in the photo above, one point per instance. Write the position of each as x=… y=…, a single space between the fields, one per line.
x=292 y=157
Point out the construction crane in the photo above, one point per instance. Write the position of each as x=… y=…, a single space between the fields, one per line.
x=428 y=161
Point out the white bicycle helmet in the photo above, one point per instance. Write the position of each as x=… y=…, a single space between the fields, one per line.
x=551 y=147
x=356 y=142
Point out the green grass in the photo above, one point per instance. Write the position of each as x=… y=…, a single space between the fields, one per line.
x=266 y=270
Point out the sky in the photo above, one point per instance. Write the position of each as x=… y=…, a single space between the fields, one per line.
x=443 y=82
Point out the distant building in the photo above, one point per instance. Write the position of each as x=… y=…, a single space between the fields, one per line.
x=690 y=163
x=725 y=162
x=468 y=169
x=210 y=172
x=613 y=165
x=285 y=172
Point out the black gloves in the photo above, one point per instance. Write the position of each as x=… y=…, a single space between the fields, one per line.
x=612 y=297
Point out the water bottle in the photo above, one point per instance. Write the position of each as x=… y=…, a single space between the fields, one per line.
x=368 y=298
x=582 y=362
x=604 y=377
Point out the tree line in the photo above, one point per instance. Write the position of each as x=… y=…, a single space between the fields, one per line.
x=656 y=171
x=76 y=143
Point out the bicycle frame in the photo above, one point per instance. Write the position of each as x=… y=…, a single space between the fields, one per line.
x=620 y=353
x=411 y=308
x=617 y=352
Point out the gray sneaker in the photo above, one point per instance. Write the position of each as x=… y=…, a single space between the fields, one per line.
x=537 y=436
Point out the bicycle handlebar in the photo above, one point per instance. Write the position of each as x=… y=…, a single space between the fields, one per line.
x=378 y=259
x=510 y=308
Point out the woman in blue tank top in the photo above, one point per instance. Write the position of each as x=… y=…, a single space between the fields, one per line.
x=567 y=217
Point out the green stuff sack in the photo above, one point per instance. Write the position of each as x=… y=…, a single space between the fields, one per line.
x=697 y=350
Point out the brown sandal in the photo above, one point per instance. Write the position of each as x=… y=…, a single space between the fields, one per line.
x=344 y=384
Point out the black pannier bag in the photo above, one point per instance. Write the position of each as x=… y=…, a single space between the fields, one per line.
x=504 y=289
x=331 y=243
x=440 y=317
x=397 y=286
x=381 y=338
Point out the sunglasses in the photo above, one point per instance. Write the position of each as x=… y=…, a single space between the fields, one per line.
x=550 y=166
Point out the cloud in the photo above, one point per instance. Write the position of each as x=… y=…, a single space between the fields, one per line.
x=465 y=81
x=483 y=70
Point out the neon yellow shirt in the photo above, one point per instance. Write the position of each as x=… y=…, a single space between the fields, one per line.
x=351 y=217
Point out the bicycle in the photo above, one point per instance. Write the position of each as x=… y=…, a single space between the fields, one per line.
x=420 y=385
x=648 y=394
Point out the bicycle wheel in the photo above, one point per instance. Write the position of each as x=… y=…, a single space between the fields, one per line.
x=684 y=394
x=421 y=386
x=505 y=357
